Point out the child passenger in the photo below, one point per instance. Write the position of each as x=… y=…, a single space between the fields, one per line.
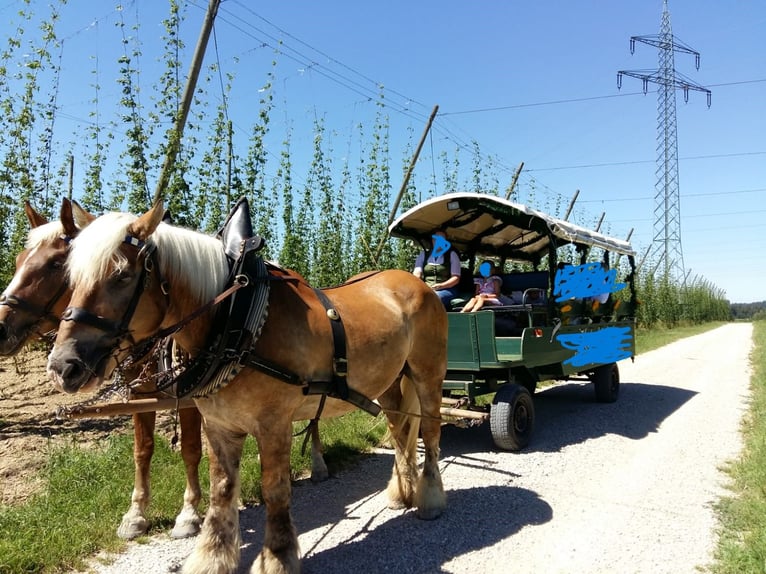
x=487 y=289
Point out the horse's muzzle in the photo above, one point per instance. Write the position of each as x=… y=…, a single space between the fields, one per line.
x=9 y=342
x=72 y=373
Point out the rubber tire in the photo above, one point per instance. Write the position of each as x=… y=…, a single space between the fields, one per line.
x=606 y=381
x=512 y=417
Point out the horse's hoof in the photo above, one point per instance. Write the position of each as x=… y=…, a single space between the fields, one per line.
x=185 y=530
x=429 y=513
x=186 y=525
x=319 y=476
x=397 y=505
x=132 y=527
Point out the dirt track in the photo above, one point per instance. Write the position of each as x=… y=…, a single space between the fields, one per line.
x=626 y=487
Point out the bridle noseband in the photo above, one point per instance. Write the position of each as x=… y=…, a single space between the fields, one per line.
x=119 y=329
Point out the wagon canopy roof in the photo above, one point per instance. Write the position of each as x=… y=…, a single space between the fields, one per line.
x=487 y=224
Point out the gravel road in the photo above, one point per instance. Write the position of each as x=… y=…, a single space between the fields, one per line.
x=626 y=487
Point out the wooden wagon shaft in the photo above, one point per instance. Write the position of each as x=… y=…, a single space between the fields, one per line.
x=464 y=414
x=453 y=401
x=127 y=408
x=149 y=405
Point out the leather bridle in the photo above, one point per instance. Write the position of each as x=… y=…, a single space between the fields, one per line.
x=119 y=329
x=41 y=311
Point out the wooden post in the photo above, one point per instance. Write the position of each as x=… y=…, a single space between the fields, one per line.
x=571 y=204
x=406 y=180
x=191 y=82
x=515 y=179
x=600 y=221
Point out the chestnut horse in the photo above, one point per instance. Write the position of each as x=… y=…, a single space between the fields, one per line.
x=396 y=346
x=31 y=306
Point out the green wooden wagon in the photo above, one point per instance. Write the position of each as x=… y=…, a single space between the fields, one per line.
x=572 y=317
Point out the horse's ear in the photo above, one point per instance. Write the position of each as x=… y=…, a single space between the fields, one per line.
x=145 y=225
x=67 y=219
x=35 y=219
x=82 y=218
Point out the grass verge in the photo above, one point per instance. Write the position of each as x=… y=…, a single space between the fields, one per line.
x=742 y=541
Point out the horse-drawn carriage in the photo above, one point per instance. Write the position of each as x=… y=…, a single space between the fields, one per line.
x=135 y=280
x=569 y=317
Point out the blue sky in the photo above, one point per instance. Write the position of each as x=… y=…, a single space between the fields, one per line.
x=528 y=81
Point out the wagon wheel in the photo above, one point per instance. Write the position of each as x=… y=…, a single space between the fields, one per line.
x=512 y=417
x=606 y=380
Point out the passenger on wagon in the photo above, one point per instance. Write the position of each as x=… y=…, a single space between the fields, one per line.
x=488 y=286
x=440 y=269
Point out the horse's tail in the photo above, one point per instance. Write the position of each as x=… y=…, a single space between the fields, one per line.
x=410 y=404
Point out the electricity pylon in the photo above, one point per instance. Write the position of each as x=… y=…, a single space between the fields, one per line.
x=666 y=244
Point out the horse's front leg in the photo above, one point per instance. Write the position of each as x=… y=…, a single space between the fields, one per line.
x=134 y=522
x=189 y=520
x=280 y=553
x=217 y=550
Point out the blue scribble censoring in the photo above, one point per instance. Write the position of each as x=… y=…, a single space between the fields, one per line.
x=587 y=280
x=606 y=345
x=441 y=246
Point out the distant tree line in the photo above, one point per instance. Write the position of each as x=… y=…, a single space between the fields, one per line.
x=748 y=311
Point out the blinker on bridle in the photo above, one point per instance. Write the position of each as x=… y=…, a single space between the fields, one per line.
x=44 y=311
x=119 y=329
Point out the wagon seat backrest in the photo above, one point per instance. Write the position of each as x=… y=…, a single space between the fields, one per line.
x=528 y=287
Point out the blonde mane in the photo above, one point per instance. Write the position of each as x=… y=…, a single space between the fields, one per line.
x=184 y=255
x=46 y=233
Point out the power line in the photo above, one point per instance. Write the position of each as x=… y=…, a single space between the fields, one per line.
x=644 y=198
x=636 y=162
x=577 y=100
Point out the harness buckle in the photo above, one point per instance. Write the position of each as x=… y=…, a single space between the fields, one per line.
x=340 y=367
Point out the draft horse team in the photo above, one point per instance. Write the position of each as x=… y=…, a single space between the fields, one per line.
x=134 y=278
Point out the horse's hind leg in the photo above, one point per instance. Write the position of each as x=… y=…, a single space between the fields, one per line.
x=189 y=521
x=430 y=499
x=217 y=550
x=134 y=522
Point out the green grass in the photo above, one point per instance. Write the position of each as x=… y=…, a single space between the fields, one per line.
x=742 y=542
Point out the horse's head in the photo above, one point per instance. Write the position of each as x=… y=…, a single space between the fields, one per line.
x=38 y=292
x=118 y=298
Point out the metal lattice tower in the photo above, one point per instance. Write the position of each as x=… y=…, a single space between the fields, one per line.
x=666 y=245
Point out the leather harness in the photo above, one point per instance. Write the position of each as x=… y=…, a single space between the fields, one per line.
x=238 y=324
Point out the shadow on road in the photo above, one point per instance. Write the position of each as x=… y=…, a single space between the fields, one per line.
x=569 y=414
x=348 y=542
x=408 y=545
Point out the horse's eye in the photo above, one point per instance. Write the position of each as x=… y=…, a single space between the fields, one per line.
x=122 y=277
x=56 y=264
